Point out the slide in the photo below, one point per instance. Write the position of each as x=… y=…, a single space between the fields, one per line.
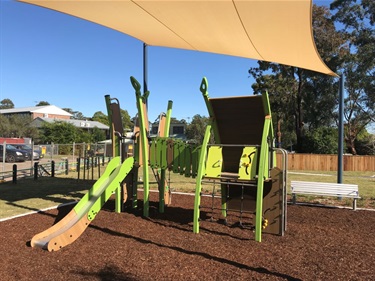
x=77 y=220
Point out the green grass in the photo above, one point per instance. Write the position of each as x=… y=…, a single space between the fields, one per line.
x=364 y=180
x=30 y=195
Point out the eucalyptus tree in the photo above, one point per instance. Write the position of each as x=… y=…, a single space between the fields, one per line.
x=6 y=104
x=99 y=116
x=357 y=20
x=300 y=99
x=196 y=128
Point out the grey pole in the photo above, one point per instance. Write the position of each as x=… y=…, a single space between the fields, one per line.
x=340 y=151
x=145 y=70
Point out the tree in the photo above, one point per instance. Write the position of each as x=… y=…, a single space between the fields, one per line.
x=59 y=132
x=6 y=104
x=97 y=135
x=357 y=19
x=77 y=115
x=42 y=103
x=195 y=130
x=303 y=100
x=365 y=143
x=323 y=140
x=100 y=117
x=19 y=125
x=125 y=118
x=5 y=126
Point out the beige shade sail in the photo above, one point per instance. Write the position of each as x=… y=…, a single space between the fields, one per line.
x=277 y=31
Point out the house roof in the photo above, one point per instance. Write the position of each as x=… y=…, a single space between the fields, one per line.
x=45 y=109
x=269 y=30
x=77 y=123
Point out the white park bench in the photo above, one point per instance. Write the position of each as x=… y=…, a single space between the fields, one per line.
x=325 y=189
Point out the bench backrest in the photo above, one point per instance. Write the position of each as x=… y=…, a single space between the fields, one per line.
x=344 y=190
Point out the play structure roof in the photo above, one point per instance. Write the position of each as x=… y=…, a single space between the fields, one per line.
x=270 y=30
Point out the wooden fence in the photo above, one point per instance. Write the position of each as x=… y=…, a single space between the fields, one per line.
x=328 y=162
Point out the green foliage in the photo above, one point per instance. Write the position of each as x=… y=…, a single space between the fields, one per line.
x=196 y=129
x=322 y=140
x=5 y=126
x=97 y=135
x=6 y=104
x=125 y=118
x=357 y=20
x=59 y=132
x=42 y=103
x=299 y=98
x=304 y=101
x=77 y=115
x=365 y=143
x=100 y=117
x=17 y=126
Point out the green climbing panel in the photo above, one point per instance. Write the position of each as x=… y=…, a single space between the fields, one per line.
x=214 y=162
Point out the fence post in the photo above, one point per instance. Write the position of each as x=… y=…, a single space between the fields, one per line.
x=14 y=173
x=36 y=170
x=74 y=147
x=88 y=167
x=92 y=168
x=78 y=166
x=66 y=166
x=84 y=164
x=98 y=167
x=53 y=168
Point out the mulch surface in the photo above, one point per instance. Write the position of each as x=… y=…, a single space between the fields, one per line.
x=319 y=244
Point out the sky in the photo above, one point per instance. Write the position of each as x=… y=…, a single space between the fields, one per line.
x=72 y=63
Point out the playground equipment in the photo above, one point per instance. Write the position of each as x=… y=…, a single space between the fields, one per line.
x=142 y=154
x=242 y=161
x=78 y=219
x=117 y=137
x=141 y=151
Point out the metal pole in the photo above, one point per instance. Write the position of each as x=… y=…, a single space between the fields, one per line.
x=145 y=68
x=340 y=151
x=14 y=173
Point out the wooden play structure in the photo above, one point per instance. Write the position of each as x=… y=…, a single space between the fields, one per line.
x=141 y=151
x=242 y=161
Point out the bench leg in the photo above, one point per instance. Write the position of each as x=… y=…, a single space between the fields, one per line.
x=354 y=204
x=293 y=198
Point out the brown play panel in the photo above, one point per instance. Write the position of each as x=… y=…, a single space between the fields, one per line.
x=239 y=122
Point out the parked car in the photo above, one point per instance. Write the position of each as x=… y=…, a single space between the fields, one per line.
x=12 y=154
x=37 y=153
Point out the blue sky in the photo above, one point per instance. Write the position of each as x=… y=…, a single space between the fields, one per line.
x=72 y=63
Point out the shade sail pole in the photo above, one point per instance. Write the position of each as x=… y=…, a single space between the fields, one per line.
x=340 y=151
x=145 y=70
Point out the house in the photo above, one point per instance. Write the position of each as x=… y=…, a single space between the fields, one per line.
x=50 y=114
x=83 y=124
x=46 y=111
x=176 y=130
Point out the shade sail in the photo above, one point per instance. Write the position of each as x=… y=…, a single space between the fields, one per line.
x=277 y=31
